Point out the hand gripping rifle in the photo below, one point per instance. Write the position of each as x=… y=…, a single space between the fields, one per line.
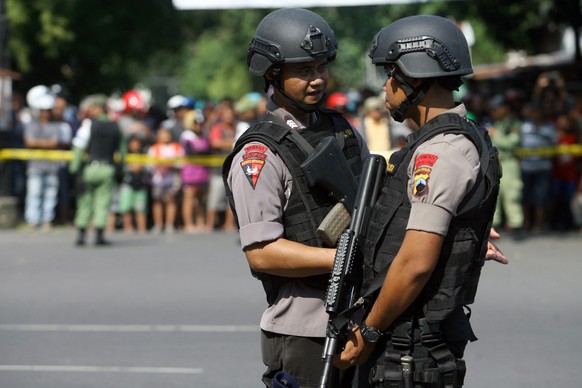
x=346 y=278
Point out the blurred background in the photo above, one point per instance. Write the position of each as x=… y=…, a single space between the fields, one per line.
x=95 y=46
x=182 y=65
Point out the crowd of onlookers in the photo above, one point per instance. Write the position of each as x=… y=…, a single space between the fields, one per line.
x=540 y=191
x=541 y=188
x=150 y=195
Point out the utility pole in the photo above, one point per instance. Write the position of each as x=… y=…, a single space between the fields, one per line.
x=5 y=100
x=5 y=73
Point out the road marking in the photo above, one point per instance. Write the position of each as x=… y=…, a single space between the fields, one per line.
x=101 y=369
x=134 y=328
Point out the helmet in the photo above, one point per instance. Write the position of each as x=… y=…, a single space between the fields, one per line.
x=134 y=101
x=337 y=100
x=290 y=35
x=179 y=101
x=93 y=100
x=423 y=46
x=40 y=97
x=249 y=101
x=115 y=103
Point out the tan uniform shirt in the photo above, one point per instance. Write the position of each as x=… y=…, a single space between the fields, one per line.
x=261 y=185
x=442 y=172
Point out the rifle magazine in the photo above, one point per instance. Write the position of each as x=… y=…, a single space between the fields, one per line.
x=334 y=224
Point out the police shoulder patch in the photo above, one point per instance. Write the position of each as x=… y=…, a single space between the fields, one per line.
x=253 y=162
x=422 y=168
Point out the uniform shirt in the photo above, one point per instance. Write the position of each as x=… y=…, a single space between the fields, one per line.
x=443 y=170
x=261 y=194
x=506 y=137
x=377 y=134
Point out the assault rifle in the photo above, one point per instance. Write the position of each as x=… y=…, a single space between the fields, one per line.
x=346 y=278
x=326 y=167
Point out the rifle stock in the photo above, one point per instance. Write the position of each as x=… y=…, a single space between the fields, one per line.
x=346 y=277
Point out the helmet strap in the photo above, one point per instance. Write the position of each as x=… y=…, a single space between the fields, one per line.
x=413 y=96
x=307 y=108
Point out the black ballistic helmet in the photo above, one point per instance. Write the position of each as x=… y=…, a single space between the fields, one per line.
x=423 y=46
x=290 y=35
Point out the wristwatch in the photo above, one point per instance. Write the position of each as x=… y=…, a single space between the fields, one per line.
x=370 y=334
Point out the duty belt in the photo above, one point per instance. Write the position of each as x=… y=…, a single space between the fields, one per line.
x=405 y=334
x=418 y=331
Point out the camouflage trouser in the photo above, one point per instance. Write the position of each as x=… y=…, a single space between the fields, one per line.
x=433 y=363
x=94 y=200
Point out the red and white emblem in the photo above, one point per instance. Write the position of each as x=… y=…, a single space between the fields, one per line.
x=422 y=169
x=253 y=162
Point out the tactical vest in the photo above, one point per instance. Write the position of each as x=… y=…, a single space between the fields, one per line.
x=454 y=280
x=104 y=141
x=307 y=206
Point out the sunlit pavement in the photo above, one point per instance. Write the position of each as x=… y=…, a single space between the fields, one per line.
x=182 y=311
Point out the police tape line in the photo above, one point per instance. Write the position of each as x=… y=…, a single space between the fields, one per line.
x=65 y=156
x=217 y=160
x=559 y=150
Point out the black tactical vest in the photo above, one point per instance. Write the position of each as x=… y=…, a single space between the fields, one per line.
x=454 y=280
x=104 y=140
x=307 y=206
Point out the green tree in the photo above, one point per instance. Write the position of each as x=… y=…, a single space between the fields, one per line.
x=214 y=66
x=37 y=30
x=96 y=46
x=91 y=45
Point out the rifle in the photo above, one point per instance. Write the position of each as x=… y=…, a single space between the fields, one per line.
x=346 y=277
x=327 y=167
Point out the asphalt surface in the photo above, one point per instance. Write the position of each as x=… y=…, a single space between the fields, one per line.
x=183 y=311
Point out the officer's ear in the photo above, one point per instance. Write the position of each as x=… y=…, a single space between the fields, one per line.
x=272 y=73
x=271 y=77
x=415 y=82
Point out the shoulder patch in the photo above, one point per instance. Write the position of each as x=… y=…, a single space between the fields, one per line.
x=253 y=162
x=422 y=169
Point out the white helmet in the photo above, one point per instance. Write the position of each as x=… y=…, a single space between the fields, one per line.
x=40 y=97
x=179 y=101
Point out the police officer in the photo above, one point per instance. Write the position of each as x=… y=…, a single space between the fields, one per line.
x=94 y=146
x=276 y=211
x=427 y=238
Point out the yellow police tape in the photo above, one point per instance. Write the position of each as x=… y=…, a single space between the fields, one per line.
x=217 y=160
x=61 y=155
x=549 y=152
x=559 y=150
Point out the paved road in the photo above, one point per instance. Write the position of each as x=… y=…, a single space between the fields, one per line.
x=163 y=311
x=182 y=311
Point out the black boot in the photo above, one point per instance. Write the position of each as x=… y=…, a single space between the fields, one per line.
x=80 y=238
x=100 y=240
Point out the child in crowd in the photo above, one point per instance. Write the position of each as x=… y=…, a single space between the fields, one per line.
x=133 y=193
x=194 y=177
x=165 y=180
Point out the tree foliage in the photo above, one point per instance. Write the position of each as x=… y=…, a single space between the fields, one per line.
x=90 y=45
x=96 y=46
